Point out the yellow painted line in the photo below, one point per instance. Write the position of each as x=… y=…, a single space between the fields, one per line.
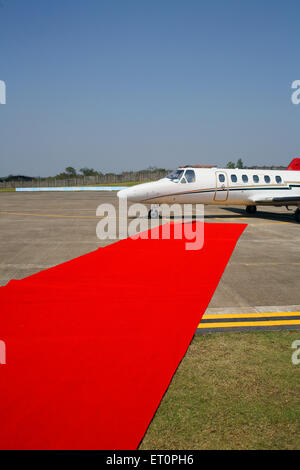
x=263 y=264
x=268 y=264
x=267 y=223
x=245 y=218
x=51 y=215
x=28 y=214
x=250 y=315
x=272 y=223
x=227 y=218
x=248 y=323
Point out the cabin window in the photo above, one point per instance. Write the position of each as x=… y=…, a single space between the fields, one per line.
x=221 y=178
x=183 y=180
x=190 y=176
x=267 y=179
x=245 y=178
x=234 y=178
x=256 y=179
x=175 y=175
x=278 y=179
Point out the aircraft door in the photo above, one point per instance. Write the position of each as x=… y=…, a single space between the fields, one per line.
x=221 y=193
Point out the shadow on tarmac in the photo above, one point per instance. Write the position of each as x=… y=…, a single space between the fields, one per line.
x=260 y=214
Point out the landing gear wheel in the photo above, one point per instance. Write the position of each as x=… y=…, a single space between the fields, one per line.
x=251 y=210
x=153 y=214
x=297 y=216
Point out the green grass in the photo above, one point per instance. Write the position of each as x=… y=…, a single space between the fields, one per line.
x=231 y=391
x=6 y=190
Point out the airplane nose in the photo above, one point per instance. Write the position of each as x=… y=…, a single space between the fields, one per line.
x=139 y=192
x=128 y=193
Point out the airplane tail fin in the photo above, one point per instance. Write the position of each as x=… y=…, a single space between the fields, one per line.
x=294 y=165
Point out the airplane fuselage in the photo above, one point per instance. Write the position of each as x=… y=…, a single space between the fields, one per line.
x=220 y=186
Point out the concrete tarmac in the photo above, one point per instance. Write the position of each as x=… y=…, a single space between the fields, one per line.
x=40 y=230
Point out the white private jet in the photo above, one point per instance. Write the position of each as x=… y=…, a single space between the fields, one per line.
x=209 y=185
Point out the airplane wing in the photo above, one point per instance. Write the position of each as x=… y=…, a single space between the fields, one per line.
x=276 y=199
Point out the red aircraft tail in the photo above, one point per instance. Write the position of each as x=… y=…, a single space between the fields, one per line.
x=294 y=165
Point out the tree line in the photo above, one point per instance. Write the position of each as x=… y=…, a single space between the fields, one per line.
x=71 y=172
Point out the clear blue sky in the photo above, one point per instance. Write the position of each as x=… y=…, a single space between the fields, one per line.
x=125 y=84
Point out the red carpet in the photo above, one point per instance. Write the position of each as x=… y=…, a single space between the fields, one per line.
x=92 y=344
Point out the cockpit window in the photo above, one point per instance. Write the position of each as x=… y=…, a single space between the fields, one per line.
x=175 y=175
x=190 y=176
x=183 y=180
